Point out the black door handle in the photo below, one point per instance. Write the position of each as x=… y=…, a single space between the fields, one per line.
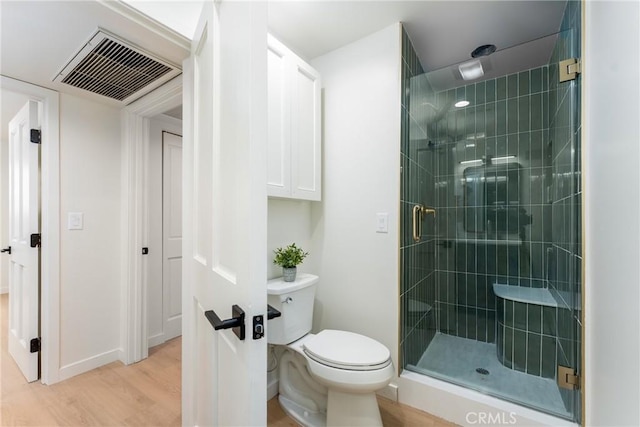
x=7 y=250
x=236 y=322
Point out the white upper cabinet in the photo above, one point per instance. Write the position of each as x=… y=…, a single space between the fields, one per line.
x=294 y=143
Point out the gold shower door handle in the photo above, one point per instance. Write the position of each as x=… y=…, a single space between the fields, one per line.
x=418 y=212
x=417 y=216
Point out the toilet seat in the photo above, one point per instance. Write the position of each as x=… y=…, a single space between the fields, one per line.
x=347 y=350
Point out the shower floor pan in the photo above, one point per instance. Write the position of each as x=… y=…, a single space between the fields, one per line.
x=456 y=360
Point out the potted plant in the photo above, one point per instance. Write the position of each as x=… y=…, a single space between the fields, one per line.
x=288 y=258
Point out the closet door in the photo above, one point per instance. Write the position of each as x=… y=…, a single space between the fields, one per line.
x=172 y=234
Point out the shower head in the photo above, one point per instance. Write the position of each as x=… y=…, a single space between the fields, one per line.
x=484 y=50
x=438 y=113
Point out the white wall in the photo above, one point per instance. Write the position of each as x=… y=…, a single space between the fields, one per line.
x=289 y=221
x=155 y=322
x=612 y=212
x=358 y=268
x=90 y=155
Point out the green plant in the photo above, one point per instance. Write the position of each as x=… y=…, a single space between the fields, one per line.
x=290 y=256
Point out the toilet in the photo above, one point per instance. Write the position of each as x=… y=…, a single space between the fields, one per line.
x=326 y=379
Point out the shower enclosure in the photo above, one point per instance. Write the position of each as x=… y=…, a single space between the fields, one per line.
x=491 y=249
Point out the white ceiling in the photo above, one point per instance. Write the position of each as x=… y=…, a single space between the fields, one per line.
x=182 y=16
x=38 y=38
x=442 y=32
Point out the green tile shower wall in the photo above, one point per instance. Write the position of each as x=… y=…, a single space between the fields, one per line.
x=417 y=260
x=506 y=116
x=526 y=337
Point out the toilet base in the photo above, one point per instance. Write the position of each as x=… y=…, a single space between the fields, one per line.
x=353 y=409
x=302 y=415
x=344 y=409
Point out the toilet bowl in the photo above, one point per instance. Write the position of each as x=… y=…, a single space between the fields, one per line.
x=329 y=378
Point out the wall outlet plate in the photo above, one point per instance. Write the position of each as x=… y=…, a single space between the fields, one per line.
x=390 y=392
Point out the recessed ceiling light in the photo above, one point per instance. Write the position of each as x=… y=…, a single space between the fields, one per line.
x=471 y=70
x=461 y=104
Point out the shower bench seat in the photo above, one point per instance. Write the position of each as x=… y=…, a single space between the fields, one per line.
x=540 y=296
x=528 y=318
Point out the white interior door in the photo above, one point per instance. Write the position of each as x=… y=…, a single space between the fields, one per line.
x=24 y=220
x=225 y=208
x=172 y=234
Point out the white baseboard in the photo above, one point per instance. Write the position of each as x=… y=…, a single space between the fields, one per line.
x=4 y=290
x=390 y=392
x=272 y=388
x=156 y=340
x=88 y=364
x=173 y=327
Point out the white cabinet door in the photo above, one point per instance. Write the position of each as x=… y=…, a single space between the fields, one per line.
x=24 y=220
x=279 y=128
x=225 y=211
x=305 y=133
x=294 y=143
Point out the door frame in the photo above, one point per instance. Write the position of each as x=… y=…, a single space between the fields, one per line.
x=135 y=120
x=50 y=224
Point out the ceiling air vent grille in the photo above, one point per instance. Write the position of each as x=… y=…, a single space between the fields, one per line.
x=112 y=68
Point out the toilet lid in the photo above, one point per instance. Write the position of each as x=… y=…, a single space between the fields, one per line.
x=347 y=350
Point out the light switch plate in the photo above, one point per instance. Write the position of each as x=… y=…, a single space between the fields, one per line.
x=382 y=222
x=75 y=221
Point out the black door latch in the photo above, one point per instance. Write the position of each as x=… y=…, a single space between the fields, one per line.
x=35 y=240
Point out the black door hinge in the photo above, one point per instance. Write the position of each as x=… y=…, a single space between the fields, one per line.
x=145 y=251
x=35 y=345
x=36 y=136
x=35 y=240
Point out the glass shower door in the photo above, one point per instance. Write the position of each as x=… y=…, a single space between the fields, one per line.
x=490 y=295
x=566 y=271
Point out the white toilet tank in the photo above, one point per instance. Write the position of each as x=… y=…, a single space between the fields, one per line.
x=295 y=301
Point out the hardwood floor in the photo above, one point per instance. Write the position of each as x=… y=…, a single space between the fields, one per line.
x=144 y=394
